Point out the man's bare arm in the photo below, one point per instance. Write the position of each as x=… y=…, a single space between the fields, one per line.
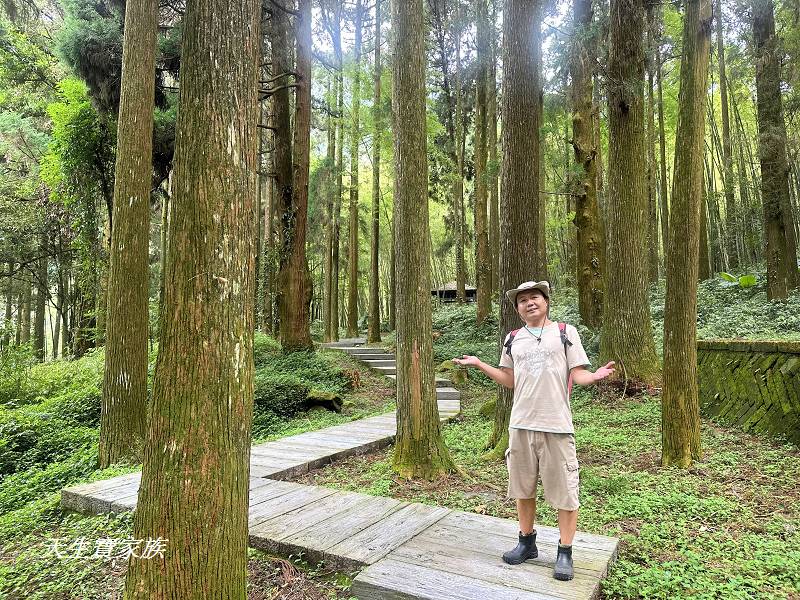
x=504 y=376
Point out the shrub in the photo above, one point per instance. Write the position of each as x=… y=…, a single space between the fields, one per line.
x=282 y=395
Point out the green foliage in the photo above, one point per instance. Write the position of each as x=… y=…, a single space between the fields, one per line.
x=745 y=281
x=90 y=42
x=15 y=368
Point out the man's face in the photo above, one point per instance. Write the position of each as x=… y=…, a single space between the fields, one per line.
x=531 y=306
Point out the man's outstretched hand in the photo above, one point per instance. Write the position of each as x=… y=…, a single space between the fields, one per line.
x=467 y=361
x=603 y=372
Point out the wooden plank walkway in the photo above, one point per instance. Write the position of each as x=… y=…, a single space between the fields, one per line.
x=405 y=550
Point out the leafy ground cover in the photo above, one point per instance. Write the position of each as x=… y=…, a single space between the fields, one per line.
x=49 y=428
x=727 y=528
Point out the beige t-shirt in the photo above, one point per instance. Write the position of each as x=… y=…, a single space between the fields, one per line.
x=541 y=369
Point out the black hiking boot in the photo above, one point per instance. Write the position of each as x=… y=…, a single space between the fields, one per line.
x=525 y=549
x=563 y=569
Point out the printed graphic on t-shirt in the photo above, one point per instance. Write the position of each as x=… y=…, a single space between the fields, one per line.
x=534 y=361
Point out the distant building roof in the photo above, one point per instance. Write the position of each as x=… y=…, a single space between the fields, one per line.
x=452 y=286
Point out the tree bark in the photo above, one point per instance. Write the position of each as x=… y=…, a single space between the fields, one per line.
x=781 y=259
x=41 y=299
x=194 y=490
x=519 y=197
x=419 y=449
x=294 y=279
x=493 y=166
x=330 y=187
x=663 y=198
x=483 y=274
x=727 y=174
x=458 y=179
x=339 y=169
x=627 y=336
x=374 y=333
x=124 y=408
x=680 y=406
x=352 y=261
x=25 y=304
x=652 y=200
x=591 y=243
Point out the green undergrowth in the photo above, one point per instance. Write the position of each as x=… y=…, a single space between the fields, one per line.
x=728 y=527
x=49 y=431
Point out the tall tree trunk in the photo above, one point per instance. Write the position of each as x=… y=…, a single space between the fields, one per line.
x=458 y=179
x=374 y=333
x=10 y=293
x=194 y=490
x=41 y=299
x=704 y=259
x=680 y=406
x=482 y=260
x=591 y=243
x=727 y=175
x=493 y=166
x=781 y=259
x=519 y=197
x=662 y=146
x=330 y=187
x=294 y=279
x=25 y=316
x=124 y=409
x=355 y=136
x=419 y=449
x=267 y=191
x=627 y=335
x=339 y=169
x=652 y=200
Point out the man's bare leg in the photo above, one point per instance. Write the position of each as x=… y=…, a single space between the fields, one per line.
x=526 y=510
x=567 y=525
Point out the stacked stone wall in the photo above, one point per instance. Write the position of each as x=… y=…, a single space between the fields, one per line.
x=754 y=385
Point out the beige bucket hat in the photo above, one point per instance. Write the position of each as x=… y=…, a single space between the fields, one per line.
x=542 y=286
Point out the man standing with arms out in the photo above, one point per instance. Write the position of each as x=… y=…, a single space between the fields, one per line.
x=540 y=362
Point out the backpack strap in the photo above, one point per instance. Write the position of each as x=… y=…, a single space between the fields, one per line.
x=562 y=329
x=510 y=341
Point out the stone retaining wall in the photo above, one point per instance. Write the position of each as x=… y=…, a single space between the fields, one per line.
x=754 y=385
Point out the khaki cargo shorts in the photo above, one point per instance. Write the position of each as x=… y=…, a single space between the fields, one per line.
x=551 y=455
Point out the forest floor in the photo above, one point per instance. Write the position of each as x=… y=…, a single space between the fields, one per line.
x=729 y=527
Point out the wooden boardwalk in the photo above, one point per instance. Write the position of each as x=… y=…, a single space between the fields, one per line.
x=404 y=550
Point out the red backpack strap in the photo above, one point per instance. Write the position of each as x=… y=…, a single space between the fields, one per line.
x=510 y=341
x=562 y=329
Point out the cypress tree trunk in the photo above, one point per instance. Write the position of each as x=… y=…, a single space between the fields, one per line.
x=352 y=286
x=663 y=198
x=483 y=273
x=627 y=336
x=652 y=200
x=296 y=322
x=419 y=449
x=294 y=282
x=25 y=316
x=124 y=408
x=519 y=197
x=591 y=245
x=337 y=202
x=493 y=166
x=10 y=288
x=41 y=299
x=727 y=175
x=194 y=490
x=458 y=179
x=781 y=258
x=374 y=334
x=329 y=190
x=268 y=255
x=704 y=268
x=680 y=405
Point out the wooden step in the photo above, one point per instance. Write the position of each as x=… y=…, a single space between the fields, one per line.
x=447 y=393
x=441 y=382
x=380 y=363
